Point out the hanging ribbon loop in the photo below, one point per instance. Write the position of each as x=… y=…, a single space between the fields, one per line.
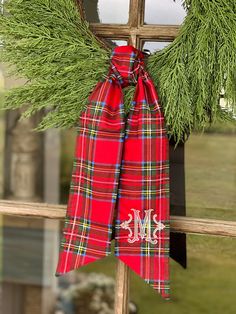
x=120 y=178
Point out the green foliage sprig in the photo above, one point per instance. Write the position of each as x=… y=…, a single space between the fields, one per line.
x=197 y=67
x=48 y=43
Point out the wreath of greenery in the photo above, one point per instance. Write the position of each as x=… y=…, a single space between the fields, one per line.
x=50 y=44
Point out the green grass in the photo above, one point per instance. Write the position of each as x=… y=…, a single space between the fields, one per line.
x=208 y=284
x=210 y=176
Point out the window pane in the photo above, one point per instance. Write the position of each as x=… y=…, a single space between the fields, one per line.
x=210 y=172
x=153 y=46
x=107 y=11
x=2 y=130
x=167 y=12
x=118 y=42
x=207 y=286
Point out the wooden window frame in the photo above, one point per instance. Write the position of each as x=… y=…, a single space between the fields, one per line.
x=135 y=32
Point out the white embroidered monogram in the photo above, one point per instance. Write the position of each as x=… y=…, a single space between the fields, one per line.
x=143 y=229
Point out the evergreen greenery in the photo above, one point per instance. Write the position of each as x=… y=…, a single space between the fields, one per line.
x=198 y=66
x=48 y=43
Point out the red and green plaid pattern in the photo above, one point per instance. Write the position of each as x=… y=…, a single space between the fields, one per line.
x=120 y=177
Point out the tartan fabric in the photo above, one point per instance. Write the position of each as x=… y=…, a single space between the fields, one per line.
x=120 y=178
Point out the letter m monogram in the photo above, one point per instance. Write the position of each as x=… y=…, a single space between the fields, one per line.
x=142 y=229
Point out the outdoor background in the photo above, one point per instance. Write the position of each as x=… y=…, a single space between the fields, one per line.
x=208 y=285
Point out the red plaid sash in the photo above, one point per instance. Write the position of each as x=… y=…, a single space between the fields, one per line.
x=120 y=178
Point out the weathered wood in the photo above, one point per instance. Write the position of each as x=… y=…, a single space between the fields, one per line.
x=135 y=31
x=122 y=288
x=51 y=164
x=135 y=12
x=148 y=32
x=32 y=210
x=203 y=226
x=177 y=223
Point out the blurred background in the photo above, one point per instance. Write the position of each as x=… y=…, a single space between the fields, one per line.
x=37 y=167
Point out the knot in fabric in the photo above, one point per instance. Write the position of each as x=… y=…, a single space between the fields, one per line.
x=127 y=64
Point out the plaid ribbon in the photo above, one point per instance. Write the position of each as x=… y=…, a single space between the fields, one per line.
x=120 y=178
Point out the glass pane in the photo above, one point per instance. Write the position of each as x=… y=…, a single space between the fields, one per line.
x=1 y=131
x=107 y=11
x=153 y=46
x=167 y=12
x=92 y=286
x=207 y=286
x=210 y=172
x=118 y=42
